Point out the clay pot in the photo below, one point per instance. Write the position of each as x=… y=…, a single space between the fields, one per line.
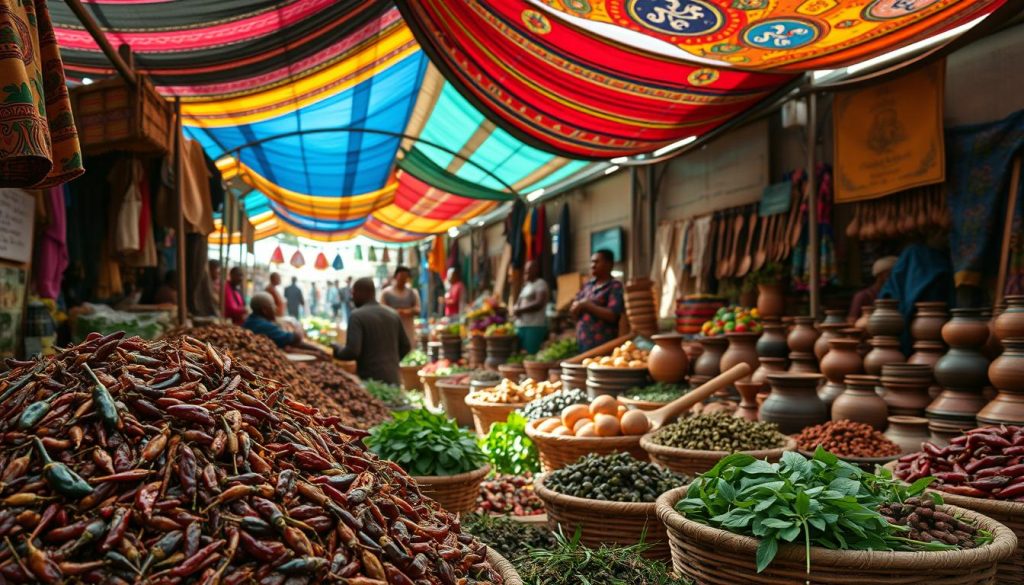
x=968 y=328
x=885 y=350
x=793 y=403
x=1007 y=374
x=928 y=321
x=770 y=300
x=962 y=369
x=451 y=347
x=748 y=400
x=772 y=342
x=835 y=317
x=860 y=403
x=908 y=432
x=885 y=319
x=667 y=360
x=708 y=362
x=828 y=331
x=477 y=351
x=862 y=322
x=804 y=363
x=767 y=366
x=499 y=349
x=693 y=349
x=740 y=351
x=1010 y=323
x=841 y=361
x=927 y=353
x=801 y=339
x=906 y=388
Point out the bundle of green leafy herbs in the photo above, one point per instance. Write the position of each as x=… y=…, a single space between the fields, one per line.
x=516 y=358
x=557 y=351
x=389 y=394
x=512 y=539
x=426 y=444
x=821 y=502
x=508 y=449
x=416 y=357
x=660 y=392
x=571 y=563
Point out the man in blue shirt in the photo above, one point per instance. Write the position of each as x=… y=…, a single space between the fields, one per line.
x=263 y=321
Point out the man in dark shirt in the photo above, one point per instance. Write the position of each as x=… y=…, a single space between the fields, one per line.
x=293 y=296
x=376 y=339
x=263 y=321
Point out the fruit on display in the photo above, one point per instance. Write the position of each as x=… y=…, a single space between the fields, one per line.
x=444 y=368
x=509 y=494
x=509 y=392
x=557 y=351
x=416 y=357
x=451 y=329
x=605 y=416
x=510 y=538
x=424 y=443
x=618 y=477
x=320 y=330
x=720 y=432
x=659 y=392
x=847 y=438
x=553 y=404
x=627 y=355
x=500 y=329
x=480 y=318
x=733 y=319
x=173 y=462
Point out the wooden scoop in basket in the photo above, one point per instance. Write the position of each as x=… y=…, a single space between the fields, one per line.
x=673 y=409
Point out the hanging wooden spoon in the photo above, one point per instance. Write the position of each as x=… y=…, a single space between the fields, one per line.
x=737 y=231
x=796 y=225
x=720 y=227
x=743 y=267
x=921 y=219
x=867 y=227
x=761 y=255
x=905 y=217
x=853 y=228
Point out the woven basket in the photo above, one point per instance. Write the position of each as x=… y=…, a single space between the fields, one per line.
x=557 y=451
x=455 y=493
x=600 y=522
x=431 y=395
x=486 y=414
x=1010 y=514
x=690 y=462
x=538 y=371
x=504 y=568
x=710 y=556
x=410 y=376
x=453 y=401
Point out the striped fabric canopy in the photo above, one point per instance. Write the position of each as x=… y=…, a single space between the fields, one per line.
x=338 y=118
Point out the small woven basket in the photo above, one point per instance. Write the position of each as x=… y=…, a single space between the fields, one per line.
x=710 y=556
x=486 y=414
x=690 y=462
x=600 y=522
x=410 y=376
x=453 y=401
x=431 y=395
x=504 y=568
x=557 y=451
x=455 y=493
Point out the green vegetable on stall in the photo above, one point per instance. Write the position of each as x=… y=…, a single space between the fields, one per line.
x=389 y=394
x=415 y=357
x=660 y=392
x=508 y=449
x=557 y=351
x=509 y=537
x=426 y=444
x=104 y=402
x=516 y=358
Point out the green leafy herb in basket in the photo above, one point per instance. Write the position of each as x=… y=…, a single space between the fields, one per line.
x=557 y=351
x=508 y=449
x=510 y=538
x=415 y=357
x=387 y=393
x=660 y=392
x=426 y=444
x=516 y=358
x=819 y=502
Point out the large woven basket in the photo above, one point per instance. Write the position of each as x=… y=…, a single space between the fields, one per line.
x=410 y=376
x=600 y=522
x=504 y=568
x=690 y=462
x=710 y=556
x=431 y=394
x=453 y=401
x=1010 y=514
x=455 y=493
x=557 y=451
x=486 y=414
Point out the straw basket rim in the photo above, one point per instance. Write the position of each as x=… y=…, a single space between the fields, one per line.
x=463 y=477
x=1002 y=547
x=983 y=505
x=621 y=440
x=657 y=449
x=503 y=567
x=547 y=494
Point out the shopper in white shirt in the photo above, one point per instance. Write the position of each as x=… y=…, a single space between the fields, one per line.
x=531 y=322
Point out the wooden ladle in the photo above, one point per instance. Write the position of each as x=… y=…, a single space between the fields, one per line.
x=722 y=226
x=743 y=266
x=729 y=264
x=677 y=407
x=761 y=255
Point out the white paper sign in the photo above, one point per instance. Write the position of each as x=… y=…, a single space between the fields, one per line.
x=16 y=217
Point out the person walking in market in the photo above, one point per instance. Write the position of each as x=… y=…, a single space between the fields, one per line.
x=599 y=305
x=404 y=299
x=274 y=288
x=454 y=300
x=531 y=322
x=314 y=299
x=345 y=298
x=333 y=299
x=234 y=300
x=376 y=338
x=294 y=299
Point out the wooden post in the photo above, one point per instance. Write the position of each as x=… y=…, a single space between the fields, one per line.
x=813 y=245
x=1011 y=206
x=94 y=30
x=179 y=196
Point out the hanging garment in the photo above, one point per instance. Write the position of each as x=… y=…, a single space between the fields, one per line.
x=201 y=298
x=51 y=258
x=126 y=229
x=701 y=253
x=197 y=208
x=38 y=140
x=563 y=255
x=436 y=260
x=147 y=256
x=663 y=268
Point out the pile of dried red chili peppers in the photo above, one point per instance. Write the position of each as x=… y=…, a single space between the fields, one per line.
x=127 y=461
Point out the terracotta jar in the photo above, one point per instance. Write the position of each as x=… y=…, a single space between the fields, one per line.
x=885 y=319
x=1010 y=323
x=835 y=317
x=800 y=362
x=885 y=350
x=1006 y=373
x=860 y=403
x=801 y=339
x=667 y=361
x=927 y=352
x=928 y=321
x=968 y=328
x=793 y=402
x=767 y=366
x=740 y=351
x=770 y=300
x=748 y=400
x=841 y=361
x=865 y=313
x=693 y=349
x=828 y=331
x=964 y=367
x=708 y=364
x=772 y=342
x=906 y=388
x=993 y=347
x=908 y=432
x=499 y=349
x=451 y=347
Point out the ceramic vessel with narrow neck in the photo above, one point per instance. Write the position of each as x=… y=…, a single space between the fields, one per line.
x=860 y=403
x=770 y=300
x=842 y=360
x=828 y=331
x=793 y=403
x=1006 y=373
x=964 y=367
x=885 y=350
x=709 y=360
x=1010 y=322
x=885 y=319
x=772 y=342
x=767 y=366
x=929 y=317
x=862 y=322
x=801 y=339
x=800 y=362
x=835 y=317
x=908 y=432
x=741 y=350
x=667 y=361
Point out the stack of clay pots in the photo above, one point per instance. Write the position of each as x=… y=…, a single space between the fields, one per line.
x=962 y=373
x=741 y=350
x=451 y=347
x=640 y=307
x=801 y=346
x=885 y=325
x=926 y=329
x=477 y=351
x=614 y=381
x=840 y=361
x=708 y=364
x=1006 y=372
x=574 y=376
x=830 y=328
x=499 y=349
x=906 y=388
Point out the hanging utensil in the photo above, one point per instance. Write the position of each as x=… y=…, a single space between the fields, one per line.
x=743 y=266
x=761 y=255
x=853 y=228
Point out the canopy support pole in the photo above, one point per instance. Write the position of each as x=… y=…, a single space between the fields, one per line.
x=94 y=30
x=179 y=196
x=812 y=207
x=1011 y=206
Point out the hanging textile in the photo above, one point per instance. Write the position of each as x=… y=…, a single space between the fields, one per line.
x=828 y=272
x=338 y=263
x=126 y=231
x=385 y=257
x=437 y=259
x=372 y=257
x=514 y=233
x=51 y=254
x=563 y=248
x=197 y=208
x=297 y=260
x=979 y=158
x=277 y=257
x=664 y=268
x=359 y=253
x=38 y=140
x=321 y=262
x=453 y=255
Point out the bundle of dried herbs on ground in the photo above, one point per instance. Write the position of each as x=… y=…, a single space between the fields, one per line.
x=510 y=538
x=615 y=478
x=389 y=394
x=126 y=461
x=426 y=444
x=571 y=563
x=814 y=502
x=345 y=389
x=508 y=449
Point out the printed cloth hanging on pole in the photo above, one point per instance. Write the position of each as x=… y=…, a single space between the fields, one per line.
x=338 y=263
x=359 y=252
x=297 y=260
x=277 y=257
x=437 y=261
x=321 y=262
